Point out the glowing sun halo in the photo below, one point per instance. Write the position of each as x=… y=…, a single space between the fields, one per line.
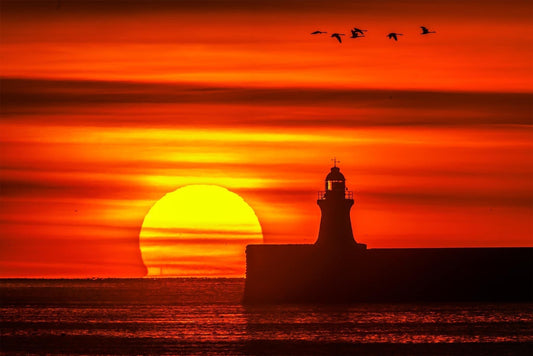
x=198 y=230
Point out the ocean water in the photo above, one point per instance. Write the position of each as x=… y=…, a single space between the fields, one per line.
x=205 y=316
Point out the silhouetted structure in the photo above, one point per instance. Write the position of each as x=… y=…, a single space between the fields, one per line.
x=337 y=269
x=335 y=203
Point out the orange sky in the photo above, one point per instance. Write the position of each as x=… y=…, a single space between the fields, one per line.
x=107 y=106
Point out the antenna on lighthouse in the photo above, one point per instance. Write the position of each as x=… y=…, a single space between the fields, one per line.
x=335 y=161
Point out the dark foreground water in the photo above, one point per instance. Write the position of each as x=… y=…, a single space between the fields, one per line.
x=205 y=316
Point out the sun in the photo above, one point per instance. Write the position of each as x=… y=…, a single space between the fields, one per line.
x=198 y=231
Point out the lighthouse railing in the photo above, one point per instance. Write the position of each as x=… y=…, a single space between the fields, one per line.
x=322 y=195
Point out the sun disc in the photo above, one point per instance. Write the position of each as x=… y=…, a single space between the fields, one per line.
x=198 y=230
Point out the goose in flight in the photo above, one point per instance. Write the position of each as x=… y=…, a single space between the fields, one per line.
x=338 y=36
x=357 y=33
x=425 y=31
x=394 y=35
x=318 y=32
x=357 y=30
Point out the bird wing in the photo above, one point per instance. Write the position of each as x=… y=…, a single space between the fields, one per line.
x=338 y=37
x=393 y=35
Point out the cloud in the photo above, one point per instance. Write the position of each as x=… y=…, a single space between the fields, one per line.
x=66 y=187
x=119 y=103
x=456 y=198
x=295 y=7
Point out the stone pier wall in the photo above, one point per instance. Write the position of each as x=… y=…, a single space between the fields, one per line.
x=307 y=273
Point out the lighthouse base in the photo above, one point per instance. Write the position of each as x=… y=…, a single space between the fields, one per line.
x=310 y=274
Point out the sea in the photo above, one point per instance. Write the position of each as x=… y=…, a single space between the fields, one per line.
x=195 y=316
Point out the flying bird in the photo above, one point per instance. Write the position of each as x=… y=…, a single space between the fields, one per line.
x=318 y=32
x=357 y=33
x=338 y=36
x=357 y=30
x=425 y=31
x=394 y=35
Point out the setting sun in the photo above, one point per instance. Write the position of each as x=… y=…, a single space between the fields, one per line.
x=198 y=229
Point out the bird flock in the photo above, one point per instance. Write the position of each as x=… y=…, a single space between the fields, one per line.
x=358 y=33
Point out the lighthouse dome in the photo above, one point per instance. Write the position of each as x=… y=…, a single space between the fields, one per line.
x=335 y=175
x=335 y=181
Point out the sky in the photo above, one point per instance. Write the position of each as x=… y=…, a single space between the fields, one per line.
x=108 y=106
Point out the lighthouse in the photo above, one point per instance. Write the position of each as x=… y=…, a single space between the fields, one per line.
x=335 y=203
x=337 y=269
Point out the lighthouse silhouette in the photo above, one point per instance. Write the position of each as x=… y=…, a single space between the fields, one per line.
x=335 y=203
x=337 y=269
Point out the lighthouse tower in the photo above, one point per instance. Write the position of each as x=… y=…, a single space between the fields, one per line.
x=335 y=204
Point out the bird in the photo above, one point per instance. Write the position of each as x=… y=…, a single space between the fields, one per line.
x=425 y=31
x=318 y=32
x=355 y=29
x=338 y=36
x=357 y=33
x=394 y=35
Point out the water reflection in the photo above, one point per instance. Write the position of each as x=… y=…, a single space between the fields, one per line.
x=206 y=316
x=403 y=323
